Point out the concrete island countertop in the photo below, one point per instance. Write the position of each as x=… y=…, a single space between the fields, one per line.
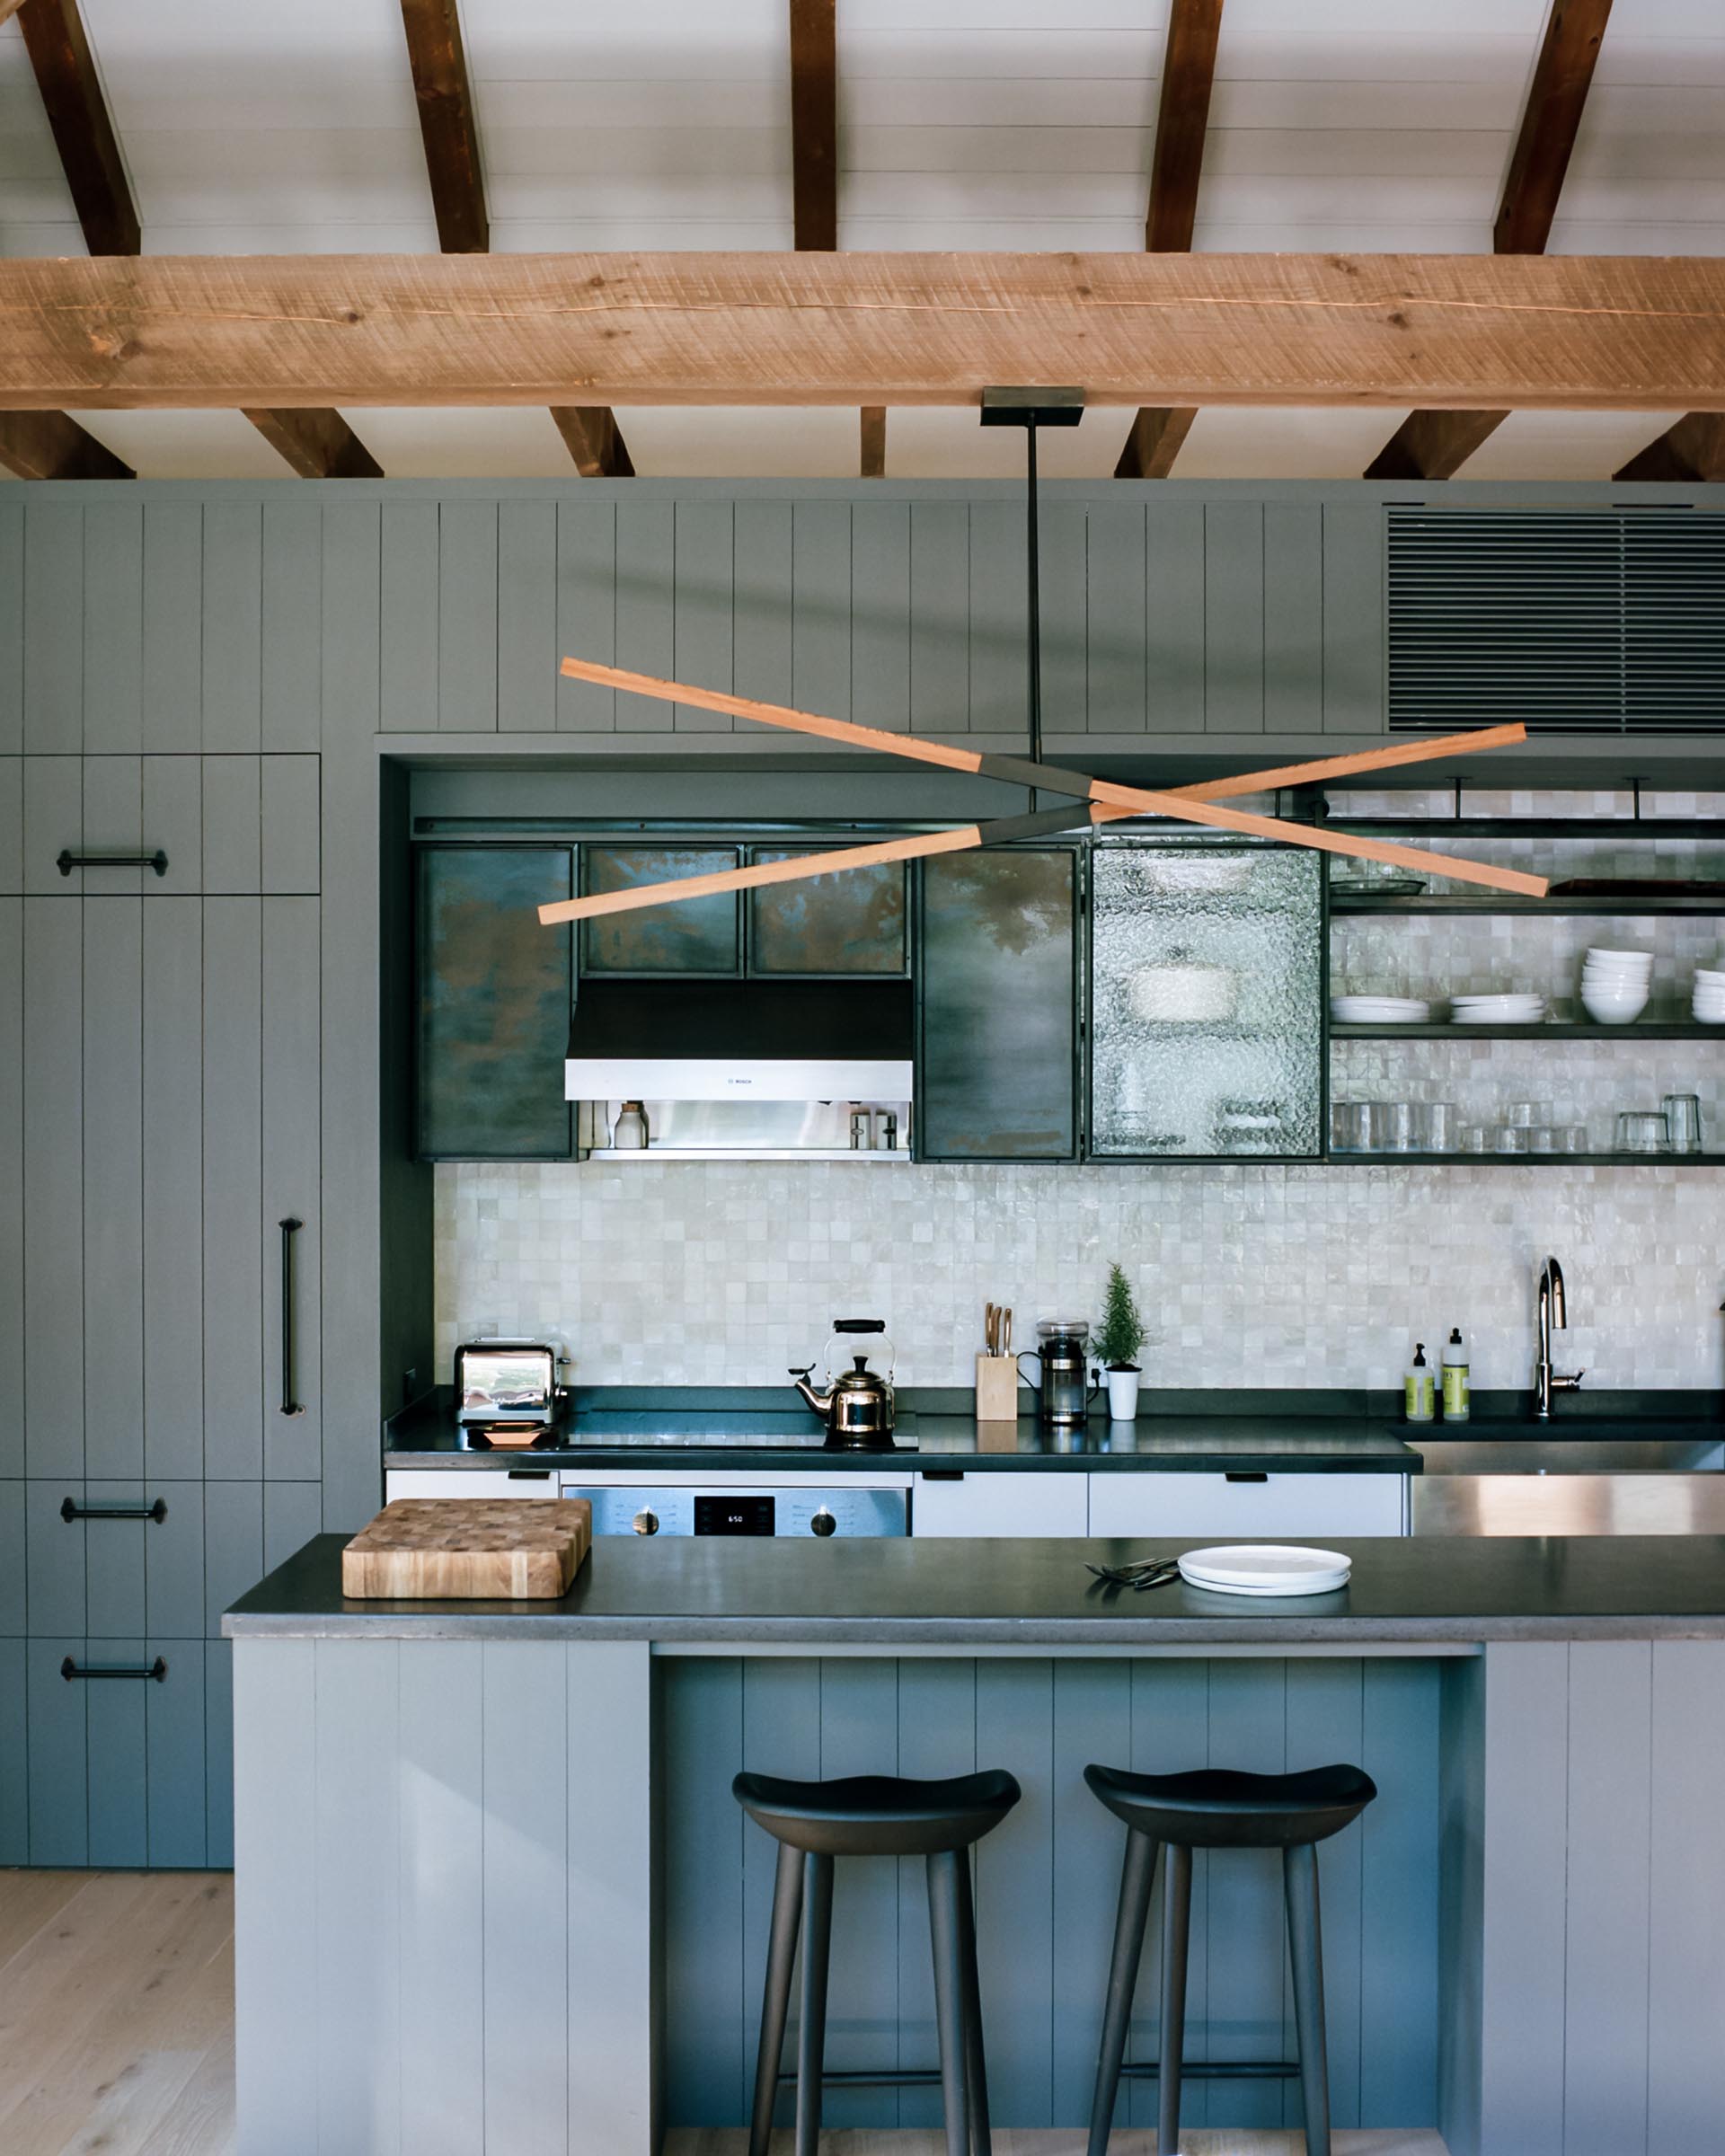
x=1036 y=1595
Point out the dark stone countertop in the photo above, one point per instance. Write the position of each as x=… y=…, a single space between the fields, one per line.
x=1032 y=1596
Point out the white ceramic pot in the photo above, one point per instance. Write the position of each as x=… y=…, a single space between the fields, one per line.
x=1123 y=1394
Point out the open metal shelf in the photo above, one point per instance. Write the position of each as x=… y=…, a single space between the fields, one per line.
x=1549 y=1029
x=1523 y=1160
x=1452 y=902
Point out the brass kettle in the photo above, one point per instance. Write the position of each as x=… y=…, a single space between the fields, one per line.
x=857 y=1404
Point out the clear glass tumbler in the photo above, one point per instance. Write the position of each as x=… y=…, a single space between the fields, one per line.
x=1643 y=1130
x=1478 y=1137
x=1441 y=1127
x=1683 y=1121
x=1359 y=1126
x=1398 y=1126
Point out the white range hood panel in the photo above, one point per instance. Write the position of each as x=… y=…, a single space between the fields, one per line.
x=692 y=1078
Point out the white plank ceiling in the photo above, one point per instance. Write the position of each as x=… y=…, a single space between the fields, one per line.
x=1368 y=125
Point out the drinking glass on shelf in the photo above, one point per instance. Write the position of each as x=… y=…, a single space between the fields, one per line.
x=1528 y=1115
x=1359 y=1126
x=1510 y=1137
x=1398 y=1125
x=1643 y=1130
x=1441 y=1125
x=1683 y=1121
x=1478 y=1137
x=1542 y=1138
x=1573 y=1138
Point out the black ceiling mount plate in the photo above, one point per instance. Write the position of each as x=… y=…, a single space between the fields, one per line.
x=1020 y=407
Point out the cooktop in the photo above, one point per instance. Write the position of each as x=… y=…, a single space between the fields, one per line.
x=754 y=1428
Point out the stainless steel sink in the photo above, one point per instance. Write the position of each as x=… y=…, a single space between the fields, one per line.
x=1569 y=1456
x=1668 y=1485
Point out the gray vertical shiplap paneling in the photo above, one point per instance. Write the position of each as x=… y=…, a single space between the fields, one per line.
x=14 y=1777
x=232 y=1235
x=11 y=826
x=1091 y=1721
x=292 y=626
x=762 y=621
x=526 y=1983
x=1461 y=1902
x=172 y=791
x=1063 y=573
x=1293 y=617
x=59 y=1759
x=173 y=1562
x=780 y=1735
x=54 y=1365
x=708 y=1979
x=113 y=628
x=12 y=625
x=113 y=1185
x=292 y=1515
x=291 y=1154
x=1605 y=1940
x=174 y=1765
x=233 y=1545
x=56 y=1594
x=114 y=1593
x=53 y=788
x=820 y=607
x=113 y=820
x=940 y=617
x=859 y=1735
x=12 y=1555
x=443 y=1836
x=1400 y=1836
x=233 y=682
x=1233 y=618
x=1115 y=601
x=233 y=825
x=587 y=621
x=1685 y=2062
x=646 y=608
x=53 y=626
x=705 y=610
x=218 y=1752
x=936 y=1737
x=172 y=1388
x=1244 y=1934
x=880 y=615
x=408 y=619
x=467 y=617
x=527 y=617
x=1326 y=1718
x=118 y=1803
x=997 y=619
x=11 y=1187
x=1354 y=659
x=290 y=815
x=1174 y=619
x=173 y=626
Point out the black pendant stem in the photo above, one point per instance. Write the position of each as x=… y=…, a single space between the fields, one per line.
x=1035 y=638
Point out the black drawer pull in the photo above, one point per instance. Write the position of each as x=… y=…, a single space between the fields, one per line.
x=289 y=1227
x=155 y=1671
x=68 y=860
x=72 y=1510
x=1246 y=1476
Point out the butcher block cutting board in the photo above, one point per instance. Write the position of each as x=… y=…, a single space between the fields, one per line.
x=482 y=1548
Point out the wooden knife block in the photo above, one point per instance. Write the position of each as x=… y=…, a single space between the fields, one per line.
x=997 y=1388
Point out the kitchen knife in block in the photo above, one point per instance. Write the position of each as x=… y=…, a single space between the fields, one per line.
x=469 y=1549
x=997 y=1388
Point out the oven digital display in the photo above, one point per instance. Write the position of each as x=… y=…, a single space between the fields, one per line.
x=733 y=1516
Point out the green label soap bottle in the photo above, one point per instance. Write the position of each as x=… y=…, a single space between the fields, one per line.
x=1419 y=1388
x=1455 y=1386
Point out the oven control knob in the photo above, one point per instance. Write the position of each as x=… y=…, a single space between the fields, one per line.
x=823 y=1523
x=645 y=1521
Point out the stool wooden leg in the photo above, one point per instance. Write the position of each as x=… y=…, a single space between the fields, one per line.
x=1176 y=1924
x=776 y=2001
x=1300 y=1882
x=1137 y=1876
x=975 y=2068
x=812 y=2033
x=944 y=1925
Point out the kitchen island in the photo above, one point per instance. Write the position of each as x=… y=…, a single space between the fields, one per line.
x=493 y=1893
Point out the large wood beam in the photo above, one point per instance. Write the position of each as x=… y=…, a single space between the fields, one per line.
x=8 y=9
x=65 y=74
x=49 y=445
x=1435 y=445
x=1691 y=451
x=316 y=444
x=814 y=124
x=1182 y=121
x=445 y=102
x=1484 y=332
x=594 y=440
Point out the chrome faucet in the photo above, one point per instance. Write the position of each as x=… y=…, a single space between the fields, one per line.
x=1551 y=1311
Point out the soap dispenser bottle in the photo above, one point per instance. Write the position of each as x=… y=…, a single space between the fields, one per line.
x=1418 y=1390
x=1457 y=1396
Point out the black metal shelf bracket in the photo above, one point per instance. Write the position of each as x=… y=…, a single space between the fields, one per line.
x=289 y=1227
x=68 y=861
x=71 y=1510
x=153 y=1672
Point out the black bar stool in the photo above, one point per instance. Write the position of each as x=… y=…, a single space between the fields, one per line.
x=1217 y=1809
x=873 y=1816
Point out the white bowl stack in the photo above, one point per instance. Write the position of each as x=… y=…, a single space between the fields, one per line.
x=1709 y=1003
x=1379 y=1010
x=1616 y=984
x=1516 y=1008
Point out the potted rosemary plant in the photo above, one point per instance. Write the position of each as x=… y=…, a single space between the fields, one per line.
x=1116 y=1342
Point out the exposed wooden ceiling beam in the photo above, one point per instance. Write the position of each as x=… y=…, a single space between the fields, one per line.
x=1691 y=451
x=871 y=462
x=1182 y=121
x=49 y=445
x=316 y=444
x=1636 y=332
x=8 y=9
x=446 y=103
x=814 y=124
x=65 y=74
x=595 y=440
x=1435 y=445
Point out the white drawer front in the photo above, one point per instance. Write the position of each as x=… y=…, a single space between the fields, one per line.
x=468 y=1482
x=1282 y=1506
x=1000 y=1504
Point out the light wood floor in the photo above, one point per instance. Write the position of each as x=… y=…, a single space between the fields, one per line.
x=117 y=2035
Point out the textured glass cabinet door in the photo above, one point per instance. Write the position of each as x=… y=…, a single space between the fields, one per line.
x=1206 y=1002
x=493 y=1004
x=997 y=1008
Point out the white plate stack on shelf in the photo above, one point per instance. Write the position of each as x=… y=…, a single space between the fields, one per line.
x=1514 y=1008
x=1708 y=1005
x=1379 y=1011
x=1265 y=1568
x=1616 y=984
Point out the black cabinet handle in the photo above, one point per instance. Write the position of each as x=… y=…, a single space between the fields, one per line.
x=68 y=861
x=155 y=1671
x=1243 y=1476
x=290 y=1229
x=72 y=1510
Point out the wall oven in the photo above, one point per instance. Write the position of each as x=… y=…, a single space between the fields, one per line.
x=687 y=1503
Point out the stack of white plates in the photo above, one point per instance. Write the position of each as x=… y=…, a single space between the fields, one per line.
x=1616 y=984
x=1515 y=1009
x=1709 y=1004
x=1379 y=1011
x=1265 y=1568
